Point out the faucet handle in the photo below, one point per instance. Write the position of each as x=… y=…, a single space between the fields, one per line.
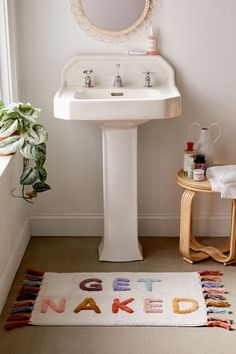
x=88 y=72
x=148 y=78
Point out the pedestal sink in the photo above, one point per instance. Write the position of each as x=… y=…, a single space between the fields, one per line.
x=118 y=111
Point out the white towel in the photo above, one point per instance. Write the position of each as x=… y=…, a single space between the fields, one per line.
x=223 y=180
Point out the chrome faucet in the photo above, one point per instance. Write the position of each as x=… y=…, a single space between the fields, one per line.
x=88 y=79
x=118 y=80
x=148 y=80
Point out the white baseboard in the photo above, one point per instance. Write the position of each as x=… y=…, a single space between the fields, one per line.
x=67 y=225
x=10 y=269
x=149 y=225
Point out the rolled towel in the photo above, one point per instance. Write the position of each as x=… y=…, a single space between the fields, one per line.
x=229 y=190
x=223 y=180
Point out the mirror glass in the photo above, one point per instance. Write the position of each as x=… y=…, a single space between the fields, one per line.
x=114 y=15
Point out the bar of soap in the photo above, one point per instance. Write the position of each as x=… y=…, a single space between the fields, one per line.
x=137 y=52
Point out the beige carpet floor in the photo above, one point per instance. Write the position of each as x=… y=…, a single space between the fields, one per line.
x=80 y=255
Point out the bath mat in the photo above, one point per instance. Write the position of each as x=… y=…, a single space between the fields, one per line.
x=120 y=299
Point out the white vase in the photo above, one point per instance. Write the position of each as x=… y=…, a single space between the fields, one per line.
x=205 y=145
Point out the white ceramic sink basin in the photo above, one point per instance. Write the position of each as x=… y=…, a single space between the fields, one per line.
x=132 y=104
x=117 y=94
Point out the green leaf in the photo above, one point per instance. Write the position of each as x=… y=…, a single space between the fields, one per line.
x=25 y=162
x=42 y=174
x=32 y=152
x=36 y=113
x=27 y=117
x=40 y=162
x=30 y=111
x=41 y=157
x=37 y=134
x=8 y=128
x=1 y=104
x=42 y=148
x=28 y=151
x=13 y=107
x=7 y=123
x=26 y=107
x=29 y=176
x=41 y=187
x=11 y=145
x=9 y=116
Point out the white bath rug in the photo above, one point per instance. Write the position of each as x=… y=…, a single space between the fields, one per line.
x=114 y=299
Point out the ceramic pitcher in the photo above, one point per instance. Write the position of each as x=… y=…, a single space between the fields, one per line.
x=205 y=143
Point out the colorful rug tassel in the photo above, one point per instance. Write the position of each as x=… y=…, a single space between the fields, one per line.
x=219 y=324
x=16 y=324
x=211 y=284
x=19 y=316
x=217 y=310
x=35 y=272
x=216 y=303
x=213 y=296
x=22 y=309
x=23 y=306
x=219 y=318
x=27 y=290
x=210 y=278
x=30 y=296
x=32 y=284
x=33 y=277
x=23 y=303
x=214 y=290
x=210 y=272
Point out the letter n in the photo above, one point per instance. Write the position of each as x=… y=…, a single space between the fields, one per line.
x=49 y=303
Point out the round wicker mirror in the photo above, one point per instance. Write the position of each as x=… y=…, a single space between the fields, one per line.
x=113 y=20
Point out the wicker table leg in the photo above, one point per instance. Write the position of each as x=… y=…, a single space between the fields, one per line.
x=232 y=254
x=186 y=224
x=217 y=253
x=188 y=241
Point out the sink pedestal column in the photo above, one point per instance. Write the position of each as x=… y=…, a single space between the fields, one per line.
x=120 y=242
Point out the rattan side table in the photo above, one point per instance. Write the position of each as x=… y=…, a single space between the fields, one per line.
x=188 y=243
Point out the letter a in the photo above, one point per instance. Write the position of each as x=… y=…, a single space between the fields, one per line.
x=87 y=304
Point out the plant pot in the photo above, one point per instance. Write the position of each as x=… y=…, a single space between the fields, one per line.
x=1 y=139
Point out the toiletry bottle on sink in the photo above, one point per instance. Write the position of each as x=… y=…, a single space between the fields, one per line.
x=152 y=42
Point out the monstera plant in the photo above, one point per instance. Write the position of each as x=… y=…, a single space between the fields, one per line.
x=19 y=131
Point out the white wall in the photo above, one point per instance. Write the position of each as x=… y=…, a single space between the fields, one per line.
x=14 y=220
x=198 y=38
x=14 y=227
